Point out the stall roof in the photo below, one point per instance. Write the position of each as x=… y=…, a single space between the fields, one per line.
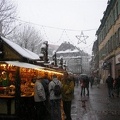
x=22 y=51
x=25 y=65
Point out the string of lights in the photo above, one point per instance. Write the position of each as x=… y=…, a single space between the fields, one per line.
x=64 y=31
x=50 y=26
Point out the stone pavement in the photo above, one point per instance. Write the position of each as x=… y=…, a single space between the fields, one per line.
x=98 y=106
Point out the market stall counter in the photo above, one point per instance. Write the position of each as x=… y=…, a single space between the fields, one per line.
x=26 y=109
x=7 y=102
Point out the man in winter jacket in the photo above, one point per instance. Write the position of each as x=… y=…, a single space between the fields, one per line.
x=39 y=98
x=109 y=82
x=55 y=101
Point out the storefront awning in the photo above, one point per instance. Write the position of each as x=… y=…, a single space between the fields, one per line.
x=31 y=66
x=25 y=65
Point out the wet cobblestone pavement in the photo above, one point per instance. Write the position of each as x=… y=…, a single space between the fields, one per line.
x=98 y=105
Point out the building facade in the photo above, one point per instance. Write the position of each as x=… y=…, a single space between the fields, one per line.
x=108 y=35
x=76 y=61
x=94 y=63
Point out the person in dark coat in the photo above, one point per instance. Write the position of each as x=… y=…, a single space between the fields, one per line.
x=109 y=82
x=91 y=81
x=45 y=83
x=117 y=85
x=87 y=85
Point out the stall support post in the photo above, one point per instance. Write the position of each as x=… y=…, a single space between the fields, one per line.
x=17 y=92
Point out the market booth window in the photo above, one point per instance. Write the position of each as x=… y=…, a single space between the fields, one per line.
x=7 y=78
x=7 y=86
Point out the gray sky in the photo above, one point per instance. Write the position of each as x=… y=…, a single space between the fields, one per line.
x=62 y=20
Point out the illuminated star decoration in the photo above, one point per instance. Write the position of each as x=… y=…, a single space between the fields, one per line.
x=81 y=38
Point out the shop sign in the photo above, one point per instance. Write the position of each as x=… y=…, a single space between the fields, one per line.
x=106 y=65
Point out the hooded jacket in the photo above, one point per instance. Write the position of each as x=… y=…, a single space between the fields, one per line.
x=51 y=87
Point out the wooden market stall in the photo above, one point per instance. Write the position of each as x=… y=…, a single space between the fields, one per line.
x=18 y=70
x=17 y=87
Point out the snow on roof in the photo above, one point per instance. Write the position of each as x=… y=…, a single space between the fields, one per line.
x=68 y=51
x=22 y=51
x=25 y=65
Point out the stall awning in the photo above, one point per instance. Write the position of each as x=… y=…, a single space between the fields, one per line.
x=25 y=65
x=31 y=66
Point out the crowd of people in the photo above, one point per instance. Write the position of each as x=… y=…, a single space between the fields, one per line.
x=52 y=96
x=49 y=95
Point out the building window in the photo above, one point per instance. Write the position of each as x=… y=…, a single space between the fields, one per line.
x=113 y=41
x=117 y=39
x=111 y=45
x=116 y=10
x=119 y=35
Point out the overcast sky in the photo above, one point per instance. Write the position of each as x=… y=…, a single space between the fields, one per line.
x=62 y=20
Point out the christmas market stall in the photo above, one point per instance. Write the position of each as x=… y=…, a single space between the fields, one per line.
x=18 y=70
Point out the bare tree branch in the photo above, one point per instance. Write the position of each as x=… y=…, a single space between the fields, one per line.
x=7 y=10
x=28 y=37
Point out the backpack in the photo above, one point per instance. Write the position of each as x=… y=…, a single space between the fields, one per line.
x=57 y=89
